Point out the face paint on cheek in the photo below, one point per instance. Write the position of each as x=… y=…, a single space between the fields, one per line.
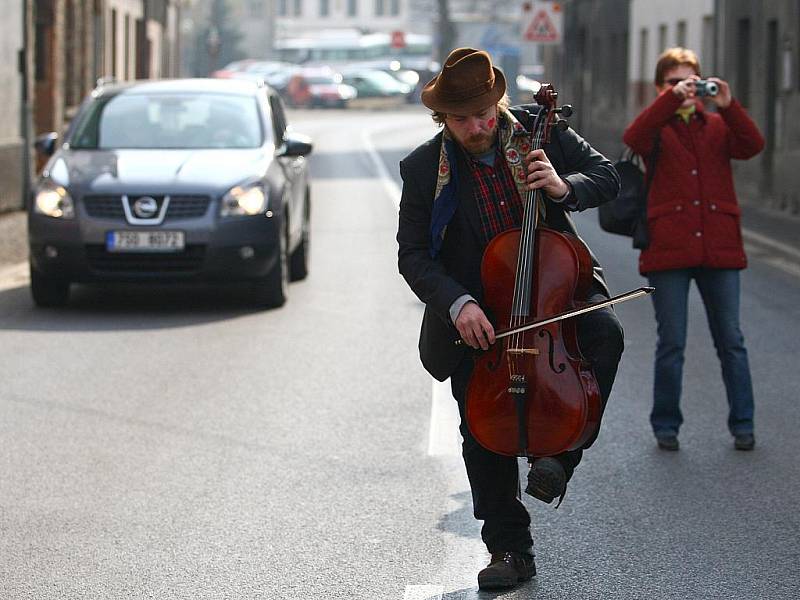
x=490 y=123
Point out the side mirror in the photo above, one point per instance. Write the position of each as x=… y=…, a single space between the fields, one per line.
x=46 y=143
x=295 y=144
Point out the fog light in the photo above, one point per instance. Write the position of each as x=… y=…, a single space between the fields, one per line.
x=50 y=252
x=246 y=252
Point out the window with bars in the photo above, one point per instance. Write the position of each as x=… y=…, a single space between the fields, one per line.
x=743 y=61
x=680 y=34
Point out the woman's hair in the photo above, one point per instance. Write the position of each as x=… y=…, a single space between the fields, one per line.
x=675 y=57
x=502 y=104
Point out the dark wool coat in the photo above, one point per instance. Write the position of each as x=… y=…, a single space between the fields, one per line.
x=692 y=213
x=456 y=270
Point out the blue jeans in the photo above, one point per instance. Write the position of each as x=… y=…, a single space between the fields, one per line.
x=719 y=289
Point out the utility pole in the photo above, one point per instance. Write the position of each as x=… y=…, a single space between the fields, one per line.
x=446 y=31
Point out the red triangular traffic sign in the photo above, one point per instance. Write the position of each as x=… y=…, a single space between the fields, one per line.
x=541 y=28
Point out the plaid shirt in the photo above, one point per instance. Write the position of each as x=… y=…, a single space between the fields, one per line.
x=499 y=204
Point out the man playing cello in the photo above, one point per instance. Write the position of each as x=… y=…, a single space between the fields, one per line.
x=461 y=189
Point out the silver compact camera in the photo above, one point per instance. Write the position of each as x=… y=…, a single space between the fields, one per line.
x=703 y=87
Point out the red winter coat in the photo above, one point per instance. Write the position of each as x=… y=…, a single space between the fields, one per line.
x=692 y=212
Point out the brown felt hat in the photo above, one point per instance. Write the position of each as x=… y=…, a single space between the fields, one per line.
x=467 y=83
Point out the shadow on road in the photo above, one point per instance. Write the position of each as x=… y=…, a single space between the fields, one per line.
x=126 y=307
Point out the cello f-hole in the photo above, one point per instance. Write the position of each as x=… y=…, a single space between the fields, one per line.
x=551 y=352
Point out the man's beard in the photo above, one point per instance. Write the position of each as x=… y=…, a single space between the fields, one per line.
x=479 y=144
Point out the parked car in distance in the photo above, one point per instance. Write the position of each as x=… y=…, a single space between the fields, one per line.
x=173 y=181
x=376 y=89
x=277 y=75
x=318 y=87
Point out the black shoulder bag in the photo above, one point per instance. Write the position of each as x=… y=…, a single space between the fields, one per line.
x=627 y=213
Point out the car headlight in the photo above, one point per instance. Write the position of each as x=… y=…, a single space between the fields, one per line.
x=54 y=201
x=244 y=200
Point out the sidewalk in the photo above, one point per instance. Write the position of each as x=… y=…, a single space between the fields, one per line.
x=13 y=238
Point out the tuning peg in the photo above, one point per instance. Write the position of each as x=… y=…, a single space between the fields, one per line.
x=565 y=110
x=562 y=124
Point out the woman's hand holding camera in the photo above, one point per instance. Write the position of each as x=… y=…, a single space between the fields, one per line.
x=687 y=88
x=723 y=97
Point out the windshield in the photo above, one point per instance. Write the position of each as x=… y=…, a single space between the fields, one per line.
x=321 y=80
x=170 y=121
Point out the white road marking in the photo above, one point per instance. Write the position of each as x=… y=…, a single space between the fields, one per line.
x=770 y=243
x=392 y=189
x=423 y=592
x=443 y=436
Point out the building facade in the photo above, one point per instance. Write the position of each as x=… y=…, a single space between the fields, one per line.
x=12 y=118
x=656 y=26
x=759 y=55
x=295 y=18
x=589 y=69
x=52 y=52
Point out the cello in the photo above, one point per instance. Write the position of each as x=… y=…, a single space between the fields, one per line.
x=533 y=394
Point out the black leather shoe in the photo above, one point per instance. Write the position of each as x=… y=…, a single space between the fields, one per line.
x=668 y=442
x=744 y=441
x=506 y=570
x=547 y=480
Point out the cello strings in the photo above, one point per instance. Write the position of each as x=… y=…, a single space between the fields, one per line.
x=525 y=258
x=519 y=286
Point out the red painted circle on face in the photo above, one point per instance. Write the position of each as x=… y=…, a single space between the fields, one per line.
x=491 y=122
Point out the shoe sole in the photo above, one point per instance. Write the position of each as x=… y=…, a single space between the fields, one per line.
x=543 y=487
x=501 y=584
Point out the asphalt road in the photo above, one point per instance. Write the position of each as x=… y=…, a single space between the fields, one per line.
x=175 y=443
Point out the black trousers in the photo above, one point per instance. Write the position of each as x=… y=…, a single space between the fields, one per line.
x=494 y=478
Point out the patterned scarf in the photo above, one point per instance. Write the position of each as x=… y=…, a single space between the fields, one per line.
x=514 y=139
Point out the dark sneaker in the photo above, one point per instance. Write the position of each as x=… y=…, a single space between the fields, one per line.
x=547 y=480
x=506 y=570
x=668 y=442
x=744 y=441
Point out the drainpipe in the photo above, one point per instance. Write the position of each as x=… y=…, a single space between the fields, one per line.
x=25 y=110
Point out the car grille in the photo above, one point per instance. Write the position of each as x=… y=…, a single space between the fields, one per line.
x=187 y=207
x=104 y=207
x=180 y=207
x=102 y=261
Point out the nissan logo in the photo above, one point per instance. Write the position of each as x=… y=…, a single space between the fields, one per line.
x=145 y=207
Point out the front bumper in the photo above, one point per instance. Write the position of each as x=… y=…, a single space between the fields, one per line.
x=223 y=250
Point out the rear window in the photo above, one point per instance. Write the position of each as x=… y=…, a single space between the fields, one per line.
x=169 y=120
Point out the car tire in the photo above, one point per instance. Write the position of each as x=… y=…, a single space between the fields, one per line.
x=48 y=292
x=298 y=262
x=272 y=290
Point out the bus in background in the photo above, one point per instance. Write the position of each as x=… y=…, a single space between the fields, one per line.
x=398 y=52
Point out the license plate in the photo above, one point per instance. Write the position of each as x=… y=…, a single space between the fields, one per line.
x=145 y=241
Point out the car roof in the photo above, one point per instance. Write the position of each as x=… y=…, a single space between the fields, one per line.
x=244 y=87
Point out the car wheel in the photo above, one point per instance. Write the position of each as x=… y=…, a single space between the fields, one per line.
x=298 y=263
x=272 y=290
x=48 y=292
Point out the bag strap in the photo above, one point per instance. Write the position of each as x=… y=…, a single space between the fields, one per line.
x=653 y=160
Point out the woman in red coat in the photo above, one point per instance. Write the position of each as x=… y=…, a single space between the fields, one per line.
x=695 y=234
